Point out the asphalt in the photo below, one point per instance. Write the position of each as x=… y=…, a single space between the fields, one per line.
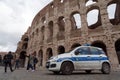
x=43 y=74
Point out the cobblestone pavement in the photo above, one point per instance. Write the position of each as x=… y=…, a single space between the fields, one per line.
x=43 y=74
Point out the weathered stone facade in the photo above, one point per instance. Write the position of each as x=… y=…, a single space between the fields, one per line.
x=54 y=30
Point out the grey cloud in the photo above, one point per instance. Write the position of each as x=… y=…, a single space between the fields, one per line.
x=14 y=23
x=8 y=39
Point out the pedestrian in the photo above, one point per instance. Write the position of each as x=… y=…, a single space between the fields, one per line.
x=7 y=61
x=30 y=62
x=35 y=62
x=17 y=61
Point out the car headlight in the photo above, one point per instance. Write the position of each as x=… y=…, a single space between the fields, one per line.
x=53 y=60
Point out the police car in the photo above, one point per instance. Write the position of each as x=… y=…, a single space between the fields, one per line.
x=85 y=58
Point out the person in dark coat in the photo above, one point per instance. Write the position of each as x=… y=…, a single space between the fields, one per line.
x=7 y=61
x=30 y=62
x=35 y=62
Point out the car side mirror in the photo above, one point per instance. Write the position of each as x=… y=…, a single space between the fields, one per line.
x=76 y=52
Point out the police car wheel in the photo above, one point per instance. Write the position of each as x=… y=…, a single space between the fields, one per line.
x=56 y=72
x=88 y=71
x=105 y=68
x=67 y=68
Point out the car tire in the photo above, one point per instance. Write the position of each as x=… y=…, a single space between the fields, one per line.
x=88 y=71
x=67 y=68
x=105 y=68
x=56 y=72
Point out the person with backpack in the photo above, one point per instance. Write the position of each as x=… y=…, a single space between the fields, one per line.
x=7 y=61
x=30 y=63
x=35 y=61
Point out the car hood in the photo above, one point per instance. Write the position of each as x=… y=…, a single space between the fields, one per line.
x=64 y=55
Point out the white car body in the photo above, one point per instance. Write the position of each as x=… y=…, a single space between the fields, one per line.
x=80 y=62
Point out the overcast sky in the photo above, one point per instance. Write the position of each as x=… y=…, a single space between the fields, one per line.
x=15 y=18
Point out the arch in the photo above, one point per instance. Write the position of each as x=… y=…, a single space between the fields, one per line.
x=61 y=49
x=93 y=19
x=34 y=53
x=50 y=31
x=49 y=53
x=75 y=18
x=40 y=56
x=33 y=34
x=22 y=58
x=99 y=44
x=117 y=48
x=43 y=19
x=61 y=1
x=42 y=32
x=75 y=45
x=25 y=45
x=61 y=25
x=37 y=31
x=90 y=2
x=52 y=5
x=26 y=39
x=113 y=9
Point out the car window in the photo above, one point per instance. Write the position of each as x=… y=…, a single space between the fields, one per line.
x=83 y=51
x=101 y=52
x=94 y=51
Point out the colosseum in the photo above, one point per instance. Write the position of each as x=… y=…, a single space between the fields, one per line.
x=65 y=24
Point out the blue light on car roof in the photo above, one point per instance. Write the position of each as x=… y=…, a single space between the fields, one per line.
x=86 y=44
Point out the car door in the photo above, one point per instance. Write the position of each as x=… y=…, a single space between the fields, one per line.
x=82 y=57
x=95 y=58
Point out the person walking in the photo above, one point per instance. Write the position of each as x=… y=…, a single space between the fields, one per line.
x=17 y=61
x=35 y=62
x=30 y=62
x=7 y=61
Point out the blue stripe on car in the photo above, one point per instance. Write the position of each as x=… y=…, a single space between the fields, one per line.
x=83 y=59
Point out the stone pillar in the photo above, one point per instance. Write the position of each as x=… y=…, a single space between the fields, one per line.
x=107 y=31
x=111 y=52
x=84 y=28
x=104 y=16
x=44 y=56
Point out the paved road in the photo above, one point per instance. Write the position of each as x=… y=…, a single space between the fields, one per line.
x=42 y=74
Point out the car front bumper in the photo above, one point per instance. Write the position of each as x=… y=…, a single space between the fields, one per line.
x=53 y=66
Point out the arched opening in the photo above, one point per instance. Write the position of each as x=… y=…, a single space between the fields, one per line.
x=61 y=25
x=113 y=9
x=43 y=19
x=61 y=1
x=37 y=31
x=117 y=48
x=61 y=50
x=75 y=45
x=40 y=56
x=93 y=17
x=90 y=2
x=32 y=34
x=42 y=33
x=22 y=58
x=34 y=53
x=75 y=20
x=100 y=44
x=49 y=53
x=50 y=31
x=25 y=45
x=26 y=39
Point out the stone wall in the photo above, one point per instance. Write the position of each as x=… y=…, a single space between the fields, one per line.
x=54 y=30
